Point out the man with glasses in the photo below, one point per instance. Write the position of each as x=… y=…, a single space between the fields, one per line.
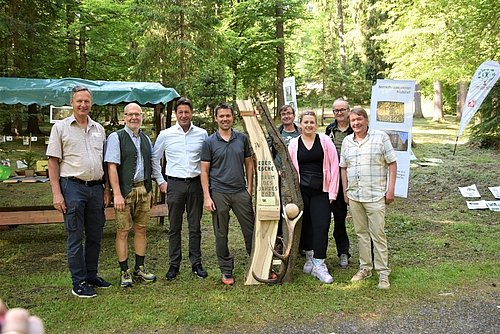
x=182 y=144
x=76 y=172
x=368 y=170
x=337 y=131
x=288 y=130
x=128 y=155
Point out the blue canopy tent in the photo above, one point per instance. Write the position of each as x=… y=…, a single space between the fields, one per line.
x=43 y=92
x=57 y=92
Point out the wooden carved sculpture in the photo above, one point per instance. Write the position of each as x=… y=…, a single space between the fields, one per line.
x=268 y=201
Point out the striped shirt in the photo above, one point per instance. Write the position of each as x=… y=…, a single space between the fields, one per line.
x=367 y=165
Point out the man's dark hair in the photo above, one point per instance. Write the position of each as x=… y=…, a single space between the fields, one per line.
x=223 y=105
x=285 y=107
x=183 y=101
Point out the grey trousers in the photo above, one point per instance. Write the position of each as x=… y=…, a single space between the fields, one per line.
x=241 y=204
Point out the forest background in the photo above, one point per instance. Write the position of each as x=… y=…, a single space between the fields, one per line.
x=221 y=50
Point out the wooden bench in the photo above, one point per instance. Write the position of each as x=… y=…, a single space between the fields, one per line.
x=49 y=215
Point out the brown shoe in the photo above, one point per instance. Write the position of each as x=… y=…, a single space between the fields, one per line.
x=361 y=275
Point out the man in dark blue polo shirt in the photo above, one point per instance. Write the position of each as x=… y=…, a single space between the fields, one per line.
x=225 y=156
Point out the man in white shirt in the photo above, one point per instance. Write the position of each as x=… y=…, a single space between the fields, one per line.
x=181 y=145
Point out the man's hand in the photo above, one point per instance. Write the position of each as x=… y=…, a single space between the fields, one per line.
x=389 y=197
x=163 y=187
x=107 y=197
x=58 y=202
x=119 y=202
x=346 y=199
x=208 y=204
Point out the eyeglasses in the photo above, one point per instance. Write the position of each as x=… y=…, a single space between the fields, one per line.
x=133 y=115
x=339 y=111
x=286 y=113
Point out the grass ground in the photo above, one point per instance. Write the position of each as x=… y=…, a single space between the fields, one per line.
x=437 y=246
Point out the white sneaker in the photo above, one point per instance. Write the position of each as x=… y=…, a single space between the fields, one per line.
x=383 y=282
x=320 y=271
x=308 y=266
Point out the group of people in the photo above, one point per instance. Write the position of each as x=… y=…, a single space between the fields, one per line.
x=88 y=171
x=348 y=165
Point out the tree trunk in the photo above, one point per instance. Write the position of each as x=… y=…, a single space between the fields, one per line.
x=340 y=32
x=280 y=50
x=7 y=128
x=71 y=43
x=33 y=126
x=461 y=95
x=418 y=103
x=182 y=50
x=438 y=101
x=82 y=41
x=289 y=188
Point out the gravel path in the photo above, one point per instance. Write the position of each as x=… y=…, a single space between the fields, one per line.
x=471 y=314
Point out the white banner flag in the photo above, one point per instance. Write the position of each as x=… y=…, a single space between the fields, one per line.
x=482 y=82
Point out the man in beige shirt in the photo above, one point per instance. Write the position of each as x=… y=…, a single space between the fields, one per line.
x=75 y=151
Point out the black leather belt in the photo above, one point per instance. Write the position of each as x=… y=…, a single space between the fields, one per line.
x=185 y=179
x=87 y=183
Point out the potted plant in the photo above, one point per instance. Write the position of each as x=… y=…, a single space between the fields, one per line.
x=29 y=159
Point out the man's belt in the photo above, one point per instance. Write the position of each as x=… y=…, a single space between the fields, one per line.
x=185 y=179
x=87 y=183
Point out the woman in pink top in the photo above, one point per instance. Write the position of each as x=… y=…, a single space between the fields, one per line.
x=315 y=160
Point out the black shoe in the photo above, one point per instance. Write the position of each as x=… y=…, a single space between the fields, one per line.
x=83 y=290
x=199 y=271
x=99 y=282
x=172 y=273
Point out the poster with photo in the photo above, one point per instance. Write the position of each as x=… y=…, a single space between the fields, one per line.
x=290 y=95
x=391 y=110
x=59 y=113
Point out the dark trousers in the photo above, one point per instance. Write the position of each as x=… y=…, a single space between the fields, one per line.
x=315 y=221
x=184 y=196
x=339 y=210
x=241 y=204
x=84 y=220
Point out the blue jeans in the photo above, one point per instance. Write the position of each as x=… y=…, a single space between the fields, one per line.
x=84 y=220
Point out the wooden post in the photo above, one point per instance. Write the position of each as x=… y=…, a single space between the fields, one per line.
x=267 y=200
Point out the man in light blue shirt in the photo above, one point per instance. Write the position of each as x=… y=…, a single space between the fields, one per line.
x=128 y=155
x=181 y=144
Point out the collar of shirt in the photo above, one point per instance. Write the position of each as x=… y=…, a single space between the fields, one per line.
x=219 y=137
x=131 y=133
x=180 y=129
x=90 y=122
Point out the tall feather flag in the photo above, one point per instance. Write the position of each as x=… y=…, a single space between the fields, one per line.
x=482 y=82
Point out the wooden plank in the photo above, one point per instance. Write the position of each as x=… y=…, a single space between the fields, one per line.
x=50 y=216
x=267 y=200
